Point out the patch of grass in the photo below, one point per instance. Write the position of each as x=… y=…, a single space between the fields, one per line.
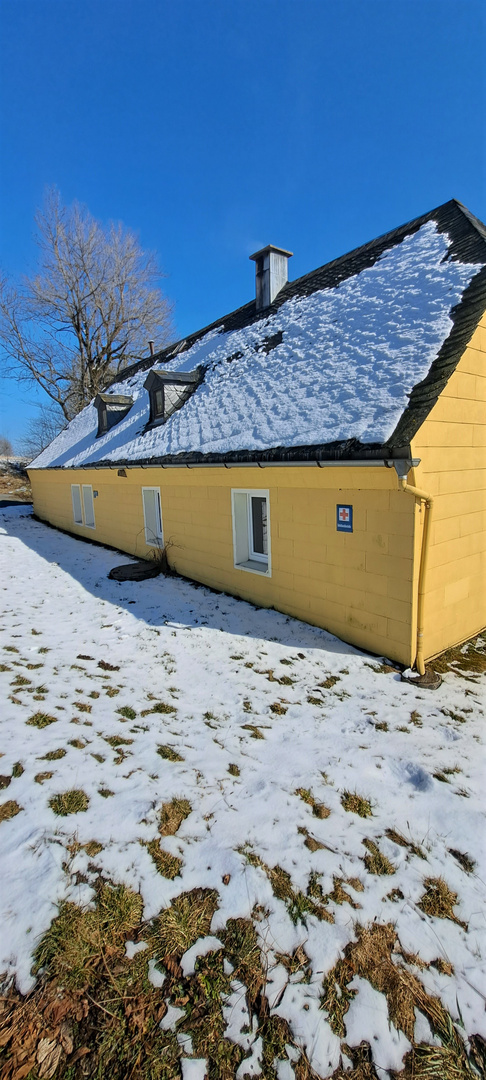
x=117 y=740
x=111 y=691
x=339 y=895
x=127 y=712
x=105 y=666
x=105 y=793
x=159 y=707
x=375 y=861
x=42 y=776
x=169 y=754
x=439 y=900
x=247 y=705
x=17 y=769
x=319 y=809
x=41 y=720
x=255 y=732
x=415 y=718
x=470 y=657
x=5 y=667
x=278 y=709
x=98 y=757
x=180 y=925
x=54 y=755
x=19 y=681
x=241 y=947
x=331 y=681
x=397 y=838
x=356 y=804
x=11 y=648
x=382 y=726
x=167 y=865
x=172 y=815
x=93 y=848
x=94 y=694
x=395 y=896
x=9 y=809
x=461 y=857
x=298 y=904
x=83 y=706
x=296 y=961
x=69 y=802
x=73 y=946
x=233 y=770
x=314 y=701
x=77 y=743
x=286 y=681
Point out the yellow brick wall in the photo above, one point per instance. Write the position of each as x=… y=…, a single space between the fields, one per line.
x=452 y=447
x=358 y=586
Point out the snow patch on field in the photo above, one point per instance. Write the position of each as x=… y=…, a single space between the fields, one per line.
x=89 y=653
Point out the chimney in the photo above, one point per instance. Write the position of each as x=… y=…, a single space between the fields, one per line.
x=151 y=346
x=271 y=273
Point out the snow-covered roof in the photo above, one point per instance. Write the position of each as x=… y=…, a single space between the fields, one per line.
x=347 y=360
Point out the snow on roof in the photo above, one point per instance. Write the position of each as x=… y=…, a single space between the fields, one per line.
x=341 y=366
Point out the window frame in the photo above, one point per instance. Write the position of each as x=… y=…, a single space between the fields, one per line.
x=80 y=489
x=244 y=555
x=158 y=541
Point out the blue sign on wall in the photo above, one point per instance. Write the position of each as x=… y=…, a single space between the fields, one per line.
x=344 y=518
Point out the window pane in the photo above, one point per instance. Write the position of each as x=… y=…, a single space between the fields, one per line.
x=152 y=516
x=259 y=524
x=159 y=402
x=88 y=504
x=76 y=497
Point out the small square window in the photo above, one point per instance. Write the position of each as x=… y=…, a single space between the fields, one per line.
x=251 y=531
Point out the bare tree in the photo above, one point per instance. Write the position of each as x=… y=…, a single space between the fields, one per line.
x=88 y=312
x=42 y=429
x=6 y=448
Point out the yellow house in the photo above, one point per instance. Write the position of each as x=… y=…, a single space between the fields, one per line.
x=320 y=450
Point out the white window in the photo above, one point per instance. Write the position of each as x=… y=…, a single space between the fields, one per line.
x=152 y=516
x=83 y=505
x=88 y=506
x=251 y=530
x=76 y=497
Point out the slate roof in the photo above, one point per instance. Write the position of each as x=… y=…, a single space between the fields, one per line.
x=360 y=349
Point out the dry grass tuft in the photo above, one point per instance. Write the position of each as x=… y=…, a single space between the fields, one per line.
x=402 y=841
x=69 y=802
x=233 y=770
x=461 y=857
x=41 y=720
x=169 y=753
x=159 y=707
x=9 y=809
x=339 y=894
x=243 y=951
x=331 y=681
x=439 y=900
x=127 y=712
x=17 y=769
x=255 y=732
x=278 y=709
x=180 y=925
x=356 y=804
x=296 y=961
x=470 y=657
x=172 y=815
x=54 y=755
x=92 y=848
x=167 y=865
x=40 y=777
x=375 y=861
x=319 y=809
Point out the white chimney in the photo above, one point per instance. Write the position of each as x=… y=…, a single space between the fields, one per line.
x=271 y=273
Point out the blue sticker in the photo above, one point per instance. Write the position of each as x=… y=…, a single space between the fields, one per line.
x=344 y=518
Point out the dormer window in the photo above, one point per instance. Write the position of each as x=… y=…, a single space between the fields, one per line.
x=169 y=391
x=111 y=409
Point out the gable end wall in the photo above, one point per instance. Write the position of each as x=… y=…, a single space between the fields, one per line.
x=452 y=447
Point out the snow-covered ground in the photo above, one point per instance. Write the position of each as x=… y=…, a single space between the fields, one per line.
x=288 y=707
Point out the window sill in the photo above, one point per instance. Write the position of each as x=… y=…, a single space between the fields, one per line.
x=254 y=567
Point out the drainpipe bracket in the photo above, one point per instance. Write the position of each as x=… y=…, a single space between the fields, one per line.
x=402 y=466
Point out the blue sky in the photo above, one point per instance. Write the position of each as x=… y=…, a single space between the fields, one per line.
x=213 y=127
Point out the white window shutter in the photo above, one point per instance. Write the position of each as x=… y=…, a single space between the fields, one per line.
x=152 y=516
x=89 y=518
x=76 y=497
